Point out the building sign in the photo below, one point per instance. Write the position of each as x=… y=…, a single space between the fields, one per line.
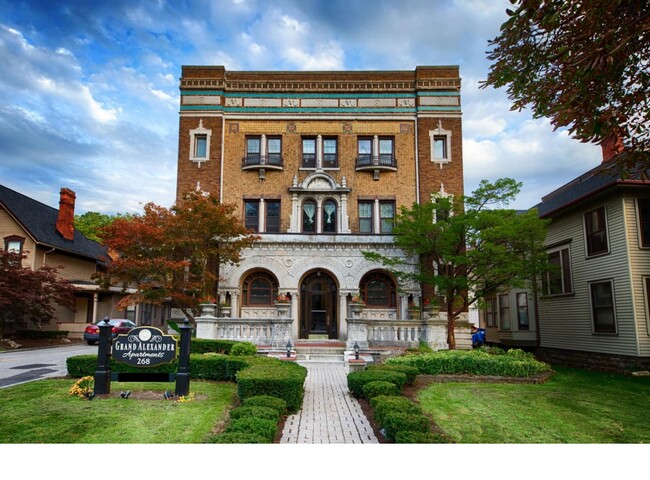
x=145 y=347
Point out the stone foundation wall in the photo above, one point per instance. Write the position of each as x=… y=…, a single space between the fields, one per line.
x=593 y=360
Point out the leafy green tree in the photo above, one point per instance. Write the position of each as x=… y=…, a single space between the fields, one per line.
x=174 y=254
x=469 y=247
x=27 y=294
x=91 y=223
x=583 y=64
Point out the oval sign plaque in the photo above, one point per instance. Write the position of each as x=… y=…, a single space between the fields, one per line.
x=145 y=347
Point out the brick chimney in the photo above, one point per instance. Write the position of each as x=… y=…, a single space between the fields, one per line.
x=611 y=147
x=65 y=221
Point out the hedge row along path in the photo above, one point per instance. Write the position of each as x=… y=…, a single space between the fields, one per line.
x=329 y=413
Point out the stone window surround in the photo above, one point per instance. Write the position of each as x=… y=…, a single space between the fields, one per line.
x=194 y=135
x=435 y=134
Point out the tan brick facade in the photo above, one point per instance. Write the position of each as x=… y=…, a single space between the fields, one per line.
x=403 y=111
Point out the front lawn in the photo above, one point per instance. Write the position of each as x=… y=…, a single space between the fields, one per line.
x=43 y=412
x=574 y=406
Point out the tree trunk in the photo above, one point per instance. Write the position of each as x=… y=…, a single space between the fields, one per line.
x=451 y=327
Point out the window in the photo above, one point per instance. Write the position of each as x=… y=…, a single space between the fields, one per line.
x=557 y=280
x=440 y=142
x=330 y=153
x=14 y=243
x=274 y=152
x=253 y=151
x=523 y=322
x=489 y=312
x=386 y=152
x=364 y=151
x=504 y=312
x=272 y=216
x=443 y=206
x=365 y=217
x=129 y=313
x=252 y=215
x=596 y=232
x=647 y=302
x=378 y=291
x=309 y=217
x=200 y=144
x=308 y=153
x=643 y=205
x=258 y=290
x=329 y=216
x=602 y=307
x=387 y=216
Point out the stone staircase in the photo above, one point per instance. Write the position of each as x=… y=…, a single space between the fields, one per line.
x=323 y=351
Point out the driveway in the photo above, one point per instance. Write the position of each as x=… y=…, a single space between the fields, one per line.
x=22 y=366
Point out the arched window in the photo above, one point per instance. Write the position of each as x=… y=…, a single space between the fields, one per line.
x=329 y=216
x=378 y=290
x=258 y=290
x=309 y=216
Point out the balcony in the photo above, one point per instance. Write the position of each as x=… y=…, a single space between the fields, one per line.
x=376 y=164
x=272 y=161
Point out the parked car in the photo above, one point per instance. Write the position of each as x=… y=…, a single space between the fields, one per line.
x=478 y=337
x=120 y=325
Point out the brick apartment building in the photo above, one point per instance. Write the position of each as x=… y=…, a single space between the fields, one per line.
x=319 y=163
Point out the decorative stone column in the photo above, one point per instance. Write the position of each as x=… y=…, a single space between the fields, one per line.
x=206 y=326
x=357 y=332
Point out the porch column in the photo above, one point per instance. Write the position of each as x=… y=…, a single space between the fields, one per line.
x=343 y=315
x=95 y=306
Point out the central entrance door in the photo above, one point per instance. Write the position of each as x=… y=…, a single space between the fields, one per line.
x=318 y=317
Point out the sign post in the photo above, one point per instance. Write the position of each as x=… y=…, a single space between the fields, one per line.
x=103 y=372
x=183 y=374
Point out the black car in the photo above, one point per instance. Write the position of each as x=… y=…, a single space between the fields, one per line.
x=120 y=325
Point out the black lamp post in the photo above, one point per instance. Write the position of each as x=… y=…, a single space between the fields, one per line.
x=356 y=351
x=289 y=349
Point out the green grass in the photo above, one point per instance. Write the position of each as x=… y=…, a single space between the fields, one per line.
x=574 y=406
x=43 y=412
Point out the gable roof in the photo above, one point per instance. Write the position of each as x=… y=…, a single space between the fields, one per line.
x=596 y=180
x=39 y=221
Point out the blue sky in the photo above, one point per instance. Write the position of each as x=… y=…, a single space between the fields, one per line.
x=89 y=90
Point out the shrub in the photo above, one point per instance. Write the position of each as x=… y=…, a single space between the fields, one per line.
x=356 y=380
x=410 y=371
x=205 y=345
x=384 y=404
x=41 y=334
x=476 y=362
x=405 y=436
x=379 y=387
x=276 y=403
x=255 y=411
x=277 y=378
x=257 y=426
x=243 y=349
x=395 y=422
x=237 y=437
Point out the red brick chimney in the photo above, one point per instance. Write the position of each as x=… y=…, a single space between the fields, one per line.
x=611 y=147
x=65 y=221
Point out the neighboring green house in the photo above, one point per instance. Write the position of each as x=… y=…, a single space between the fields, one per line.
x=45 y=235
x=594 y=308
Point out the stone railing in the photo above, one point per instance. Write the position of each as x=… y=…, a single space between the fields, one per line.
x=274 y=332
x=370 y=332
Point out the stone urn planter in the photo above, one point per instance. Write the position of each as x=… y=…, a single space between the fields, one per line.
x=225 y=311
x=208 y=309
x=414 y=313
x=357 y=308
x=283 y=308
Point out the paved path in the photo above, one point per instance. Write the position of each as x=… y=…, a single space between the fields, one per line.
x=329 y=413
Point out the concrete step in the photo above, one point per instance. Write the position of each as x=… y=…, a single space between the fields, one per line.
x=319 y=358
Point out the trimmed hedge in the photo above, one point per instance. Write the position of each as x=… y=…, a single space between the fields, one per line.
x=237 y=437
x=243 y=349
x=273 y=377
x=356 y=380
x=255 y=411
x=205 y=345
x=410 y=371
x=384 y=404
x=276 y=403
x=379 y=387
x=40 y=334
x=513 y=363
x=253 y=425
x=395 y=422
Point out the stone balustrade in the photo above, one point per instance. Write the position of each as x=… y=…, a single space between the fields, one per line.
x=274 y=332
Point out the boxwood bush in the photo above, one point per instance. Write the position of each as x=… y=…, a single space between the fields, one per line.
x=513 y=363
x=276 y=403
x=243 y=349
x=395 y=422
x=356 y=380
x=379 y=387
x=257 y=426
x=255 y=411
x=205 y=345
x=384 y=404
x=410 y=371
x=277 y=378
x=40 y=334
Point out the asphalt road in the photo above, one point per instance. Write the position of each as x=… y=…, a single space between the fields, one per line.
x=29 y=365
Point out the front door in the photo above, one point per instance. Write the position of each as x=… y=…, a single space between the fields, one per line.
x=318 y=317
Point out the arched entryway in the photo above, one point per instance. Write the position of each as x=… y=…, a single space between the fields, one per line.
x=318 y=306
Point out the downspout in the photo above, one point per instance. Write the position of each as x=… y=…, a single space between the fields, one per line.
x=45 y=253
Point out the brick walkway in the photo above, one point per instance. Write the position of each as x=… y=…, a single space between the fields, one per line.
x=329 y=414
